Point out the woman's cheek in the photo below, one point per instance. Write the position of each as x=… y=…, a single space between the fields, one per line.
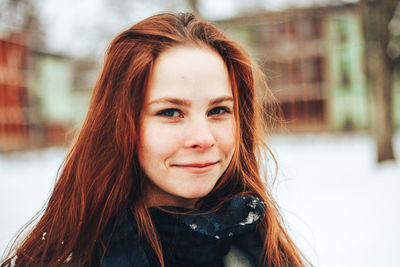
x=161 y=140
x=227 y=136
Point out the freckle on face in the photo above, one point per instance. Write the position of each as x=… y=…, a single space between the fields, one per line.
x=184 y=157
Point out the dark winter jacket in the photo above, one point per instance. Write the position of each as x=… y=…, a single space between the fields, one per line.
x=194 y=239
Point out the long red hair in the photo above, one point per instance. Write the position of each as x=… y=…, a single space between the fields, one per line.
x=101 y=175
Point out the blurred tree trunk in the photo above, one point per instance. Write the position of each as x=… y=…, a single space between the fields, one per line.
x=379 y=68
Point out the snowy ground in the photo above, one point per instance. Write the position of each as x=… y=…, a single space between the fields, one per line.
x=342 y=208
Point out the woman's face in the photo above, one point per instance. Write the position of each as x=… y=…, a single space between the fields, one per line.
x=187 y=135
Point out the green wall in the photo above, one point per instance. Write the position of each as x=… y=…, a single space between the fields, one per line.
x=58 y=101
x=348 y=95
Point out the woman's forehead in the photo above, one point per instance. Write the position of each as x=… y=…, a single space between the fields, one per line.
x=189 y=72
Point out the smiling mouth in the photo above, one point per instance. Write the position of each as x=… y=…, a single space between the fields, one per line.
x=197 y=167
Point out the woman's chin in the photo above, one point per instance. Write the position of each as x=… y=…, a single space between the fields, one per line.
x=195 y=193
x=188 y=199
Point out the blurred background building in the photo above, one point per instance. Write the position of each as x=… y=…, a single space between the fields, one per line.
x=313 y=60
x=42 y=95
x=13 y=92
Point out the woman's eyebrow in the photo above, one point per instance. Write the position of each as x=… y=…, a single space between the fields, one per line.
x=171 y=100
x=187 y=103
x=221 y=99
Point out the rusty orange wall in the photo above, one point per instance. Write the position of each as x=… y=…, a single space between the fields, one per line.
x=13 y=93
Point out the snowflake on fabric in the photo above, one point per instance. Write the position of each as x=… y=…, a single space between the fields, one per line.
x=251 y=217
x=193 y=226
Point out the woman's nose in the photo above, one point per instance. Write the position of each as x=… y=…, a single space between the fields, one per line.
x=199 y=135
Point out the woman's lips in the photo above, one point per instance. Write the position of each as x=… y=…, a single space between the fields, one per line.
x=197 y=167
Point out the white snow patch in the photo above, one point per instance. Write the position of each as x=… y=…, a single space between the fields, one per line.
x=13 y=260
x=339 y=204
x=251 y=217
x=253 y=203
x=69 y=258
x=193 y=226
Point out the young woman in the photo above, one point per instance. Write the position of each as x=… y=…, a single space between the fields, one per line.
x=166 y=170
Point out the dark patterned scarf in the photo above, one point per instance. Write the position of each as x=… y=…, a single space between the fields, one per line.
x=188 y=237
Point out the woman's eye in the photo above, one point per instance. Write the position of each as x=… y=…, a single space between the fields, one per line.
x=170 y=112
x=219 y=110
